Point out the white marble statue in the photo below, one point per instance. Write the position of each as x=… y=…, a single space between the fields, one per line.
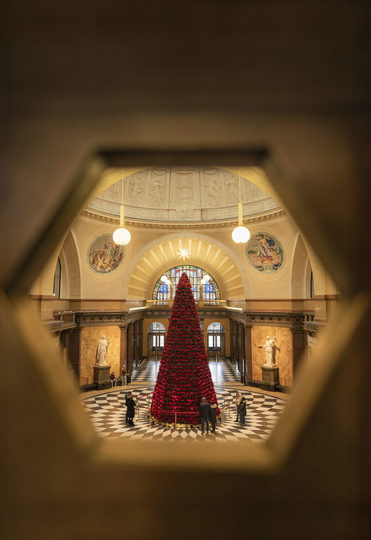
x=269 y=351
x=102 y=349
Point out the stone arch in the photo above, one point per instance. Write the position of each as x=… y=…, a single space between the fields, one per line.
x=209 y=254
x=303 y=263
x=71 y=271
x=299 y=269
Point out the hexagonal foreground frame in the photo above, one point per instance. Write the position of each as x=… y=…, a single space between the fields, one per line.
x=31 y=340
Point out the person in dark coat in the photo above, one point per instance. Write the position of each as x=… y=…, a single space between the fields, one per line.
x=238 y=399
x=213 y=409
x=242 y=411
x=205 y=414
x=130 y=408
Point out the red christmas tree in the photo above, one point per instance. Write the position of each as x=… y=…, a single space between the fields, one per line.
x=184 y=376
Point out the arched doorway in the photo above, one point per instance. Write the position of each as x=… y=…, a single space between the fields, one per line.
x=215 y=341
x=156 y=340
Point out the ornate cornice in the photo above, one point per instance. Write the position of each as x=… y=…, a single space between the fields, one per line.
x=56 y=327
x=101 y=318
x=294 y=320
x=175 y=225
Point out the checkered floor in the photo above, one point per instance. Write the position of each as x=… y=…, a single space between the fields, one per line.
x=221 y=372
x=107 y=412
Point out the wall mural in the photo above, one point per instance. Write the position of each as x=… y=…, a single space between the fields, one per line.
x=104 y=255
x=264 y=252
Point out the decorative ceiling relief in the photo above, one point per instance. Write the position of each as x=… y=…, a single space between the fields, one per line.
x=104 y=255
x=184 y=194
x=264 y=253
x=156 y=188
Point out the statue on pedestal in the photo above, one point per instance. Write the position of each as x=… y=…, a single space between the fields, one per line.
x=269 y=347
x=102 y=349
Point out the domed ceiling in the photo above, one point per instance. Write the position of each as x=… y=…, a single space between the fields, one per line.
x=183 y=194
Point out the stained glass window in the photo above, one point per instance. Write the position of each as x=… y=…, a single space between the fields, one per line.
x=210 y=291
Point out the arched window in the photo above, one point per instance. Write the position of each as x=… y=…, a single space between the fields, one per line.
x=214 y=336
x=210 y=290
x=311 y=285
x=157 y=336
x=57 y=279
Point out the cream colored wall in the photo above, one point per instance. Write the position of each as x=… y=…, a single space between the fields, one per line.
x=93 y=284
x=278 y=284
x=130 y=282
x=116 y=284
x=284 y=353
x=88 y=347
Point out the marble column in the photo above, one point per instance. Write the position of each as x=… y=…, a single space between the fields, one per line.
x=299 y=342
x=241 y=352
x=233 y=342
x=123 y=347
x=130 y=348
x=248 y=354
x=73 y=350
x=140 y=340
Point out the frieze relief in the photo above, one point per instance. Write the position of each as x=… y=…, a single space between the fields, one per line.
x=183 y=194
x=157 y=188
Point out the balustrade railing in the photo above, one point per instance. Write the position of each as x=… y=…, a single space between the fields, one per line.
x=167 y=303
x=144 y=407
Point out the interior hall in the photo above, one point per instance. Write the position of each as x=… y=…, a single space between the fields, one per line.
x=218 y=148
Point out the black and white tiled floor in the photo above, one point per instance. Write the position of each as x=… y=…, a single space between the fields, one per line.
x=107 y=412
x=221 y=372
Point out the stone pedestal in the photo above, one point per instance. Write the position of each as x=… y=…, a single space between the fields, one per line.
x=101 y=376
x=270 y=378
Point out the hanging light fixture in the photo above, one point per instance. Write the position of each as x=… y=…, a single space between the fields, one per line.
x=240 y=234
x=165 y=279
x=122 y=236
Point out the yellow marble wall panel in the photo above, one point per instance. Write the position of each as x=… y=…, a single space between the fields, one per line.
x=88 y=347
x=284 y=353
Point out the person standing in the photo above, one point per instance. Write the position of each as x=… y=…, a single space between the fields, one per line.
x=213 y=410
x=242 y=411
x=205 y=413
x=238 y=400
x=130 y=409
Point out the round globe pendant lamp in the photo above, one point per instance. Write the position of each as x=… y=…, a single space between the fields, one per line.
x=122 y=236
x=240 y=234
